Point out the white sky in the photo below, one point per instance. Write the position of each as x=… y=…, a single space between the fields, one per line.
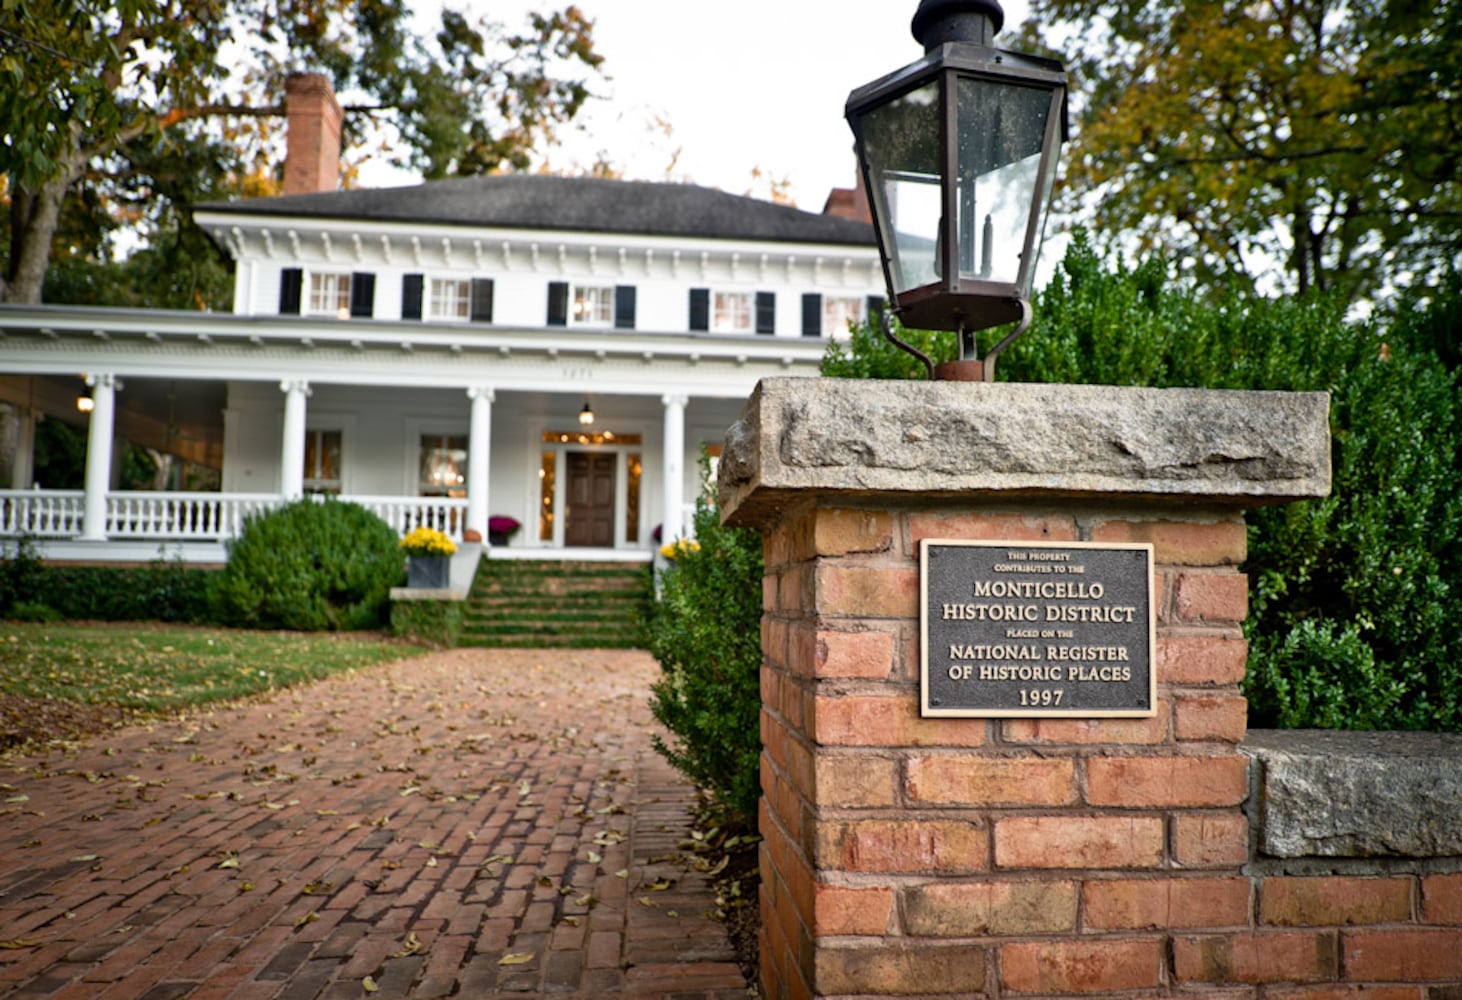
x=745 y=85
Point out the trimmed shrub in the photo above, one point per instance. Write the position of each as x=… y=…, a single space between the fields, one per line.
x=310 y=566
x=437 y=623
x=164 y=590
x=705 y=629
x=1353 y=596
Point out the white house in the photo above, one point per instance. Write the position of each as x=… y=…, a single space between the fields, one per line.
x=435 y=352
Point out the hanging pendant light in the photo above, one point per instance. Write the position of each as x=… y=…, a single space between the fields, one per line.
x=586 y=415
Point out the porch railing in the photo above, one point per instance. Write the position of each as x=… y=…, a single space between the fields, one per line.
x=193 y=517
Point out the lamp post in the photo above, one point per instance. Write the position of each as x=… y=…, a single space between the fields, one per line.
x=958 y=153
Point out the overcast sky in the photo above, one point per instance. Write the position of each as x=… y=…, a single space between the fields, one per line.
x=744 y=85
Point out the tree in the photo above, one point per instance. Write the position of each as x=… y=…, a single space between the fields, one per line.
x=97 y=94
x=1318 y=134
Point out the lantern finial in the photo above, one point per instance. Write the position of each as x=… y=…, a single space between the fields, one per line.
x=975 y=22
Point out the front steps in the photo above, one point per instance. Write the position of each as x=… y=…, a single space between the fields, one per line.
x=521 y=603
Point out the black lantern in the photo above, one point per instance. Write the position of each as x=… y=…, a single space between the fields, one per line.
x=958 y=153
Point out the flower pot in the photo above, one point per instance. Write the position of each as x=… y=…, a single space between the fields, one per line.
x=428 y=571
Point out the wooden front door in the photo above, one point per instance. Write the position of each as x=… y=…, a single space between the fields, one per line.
x=589 y=519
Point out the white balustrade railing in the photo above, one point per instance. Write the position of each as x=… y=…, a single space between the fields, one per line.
x=211 y=517
x=185 y=517
x=447 y=514
x=41 y=513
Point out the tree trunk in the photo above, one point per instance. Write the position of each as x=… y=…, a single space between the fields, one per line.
x=33 y=227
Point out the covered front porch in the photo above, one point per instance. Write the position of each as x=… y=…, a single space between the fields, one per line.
x=456 y=434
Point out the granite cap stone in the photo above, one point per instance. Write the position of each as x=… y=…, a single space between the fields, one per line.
x=800 y=438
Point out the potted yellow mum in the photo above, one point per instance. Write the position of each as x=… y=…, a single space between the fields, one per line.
x=428 y=557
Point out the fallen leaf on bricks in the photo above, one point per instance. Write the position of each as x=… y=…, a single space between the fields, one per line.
x=517 y=958
x=369 y=985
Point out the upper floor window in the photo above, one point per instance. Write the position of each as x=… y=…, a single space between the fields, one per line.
x=829 y=315
x=326 y=293
x=733 y=311
x=591 y=305
x=837 y=312
x=329 y=295
x=450 y=299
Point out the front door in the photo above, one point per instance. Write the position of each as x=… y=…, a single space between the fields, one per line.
x=589 y=519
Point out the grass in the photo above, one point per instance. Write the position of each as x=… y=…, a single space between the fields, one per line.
x=158 y=668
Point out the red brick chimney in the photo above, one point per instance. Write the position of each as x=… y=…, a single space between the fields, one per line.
x=849 y=203
x=312 y=134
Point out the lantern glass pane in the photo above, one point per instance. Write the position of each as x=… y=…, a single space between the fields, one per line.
x=900 y=146
x=1001 y=129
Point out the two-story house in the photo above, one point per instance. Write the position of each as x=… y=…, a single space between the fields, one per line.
x=548 y=349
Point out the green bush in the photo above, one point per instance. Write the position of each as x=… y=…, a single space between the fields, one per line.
x=310 y=566
x=33 y=611
x=1354 y=595
x=437 y=623
x=705 y=629
x=164 y=590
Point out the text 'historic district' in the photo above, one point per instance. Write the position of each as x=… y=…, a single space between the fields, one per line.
x=1025 y=629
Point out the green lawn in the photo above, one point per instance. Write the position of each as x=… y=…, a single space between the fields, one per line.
x=155 y=668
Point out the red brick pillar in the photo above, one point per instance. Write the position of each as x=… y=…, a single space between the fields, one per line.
x=943 y=857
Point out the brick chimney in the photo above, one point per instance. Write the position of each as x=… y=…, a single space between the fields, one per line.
x=849 y=203
x=312 y=134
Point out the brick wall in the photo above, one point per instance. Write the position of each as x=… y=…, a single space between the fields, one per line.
x=938 y=857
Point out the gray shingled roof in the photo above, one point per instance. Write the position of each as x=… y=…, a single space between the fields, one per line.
x=583 y=204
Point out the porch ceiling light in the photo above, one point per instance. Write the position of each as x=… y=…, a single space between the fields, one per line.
x=586 y=415
x=958 y=153
x=85 y=404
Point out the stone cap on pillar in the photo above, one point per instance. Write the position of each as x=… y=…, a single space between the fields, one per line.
x=854 y=439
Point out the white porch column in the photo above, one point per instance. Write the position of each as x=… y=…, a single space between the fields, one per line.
x=292 y=454
x=674 y=463
x=99 y=434
x=479 y=446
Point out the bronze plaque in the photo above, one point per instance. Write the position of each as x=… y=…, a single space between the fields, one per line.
x=1036 y=629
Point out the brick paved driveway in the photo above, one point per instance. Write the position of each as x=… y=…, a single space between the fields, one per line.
x=469 y=823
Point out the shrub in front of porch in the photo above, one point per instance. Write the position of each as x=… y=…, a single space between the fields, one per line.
x=310 y=566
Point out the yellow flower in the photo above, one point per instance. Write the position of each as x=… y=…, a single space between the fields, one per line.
x=676 y=549
x=427 y=542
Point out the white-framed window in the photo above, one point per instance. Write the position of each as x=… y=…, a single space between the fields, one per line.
x=322 y=461
x=591 y=305
x=442 y=466
x=732 y=312
x=329 y=295
x=451 y=299
x=838 y=311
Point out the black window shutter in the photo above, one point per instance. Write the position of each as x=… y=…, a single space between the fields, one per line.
x=766 y=312
x=558 y=303
x=482 y=300
x=624 y=307
x=411 y=285
x=874 y=308
x=811 y=314
x=700 y=308
x=291 y=282
x=362 y=294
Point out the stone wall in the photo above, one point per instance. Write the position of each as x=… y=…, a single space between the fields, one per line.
x=906 y=856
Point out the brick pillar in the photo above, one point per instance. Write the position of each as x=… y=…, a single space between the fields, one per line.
x=312 y=135
x=944 y=857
